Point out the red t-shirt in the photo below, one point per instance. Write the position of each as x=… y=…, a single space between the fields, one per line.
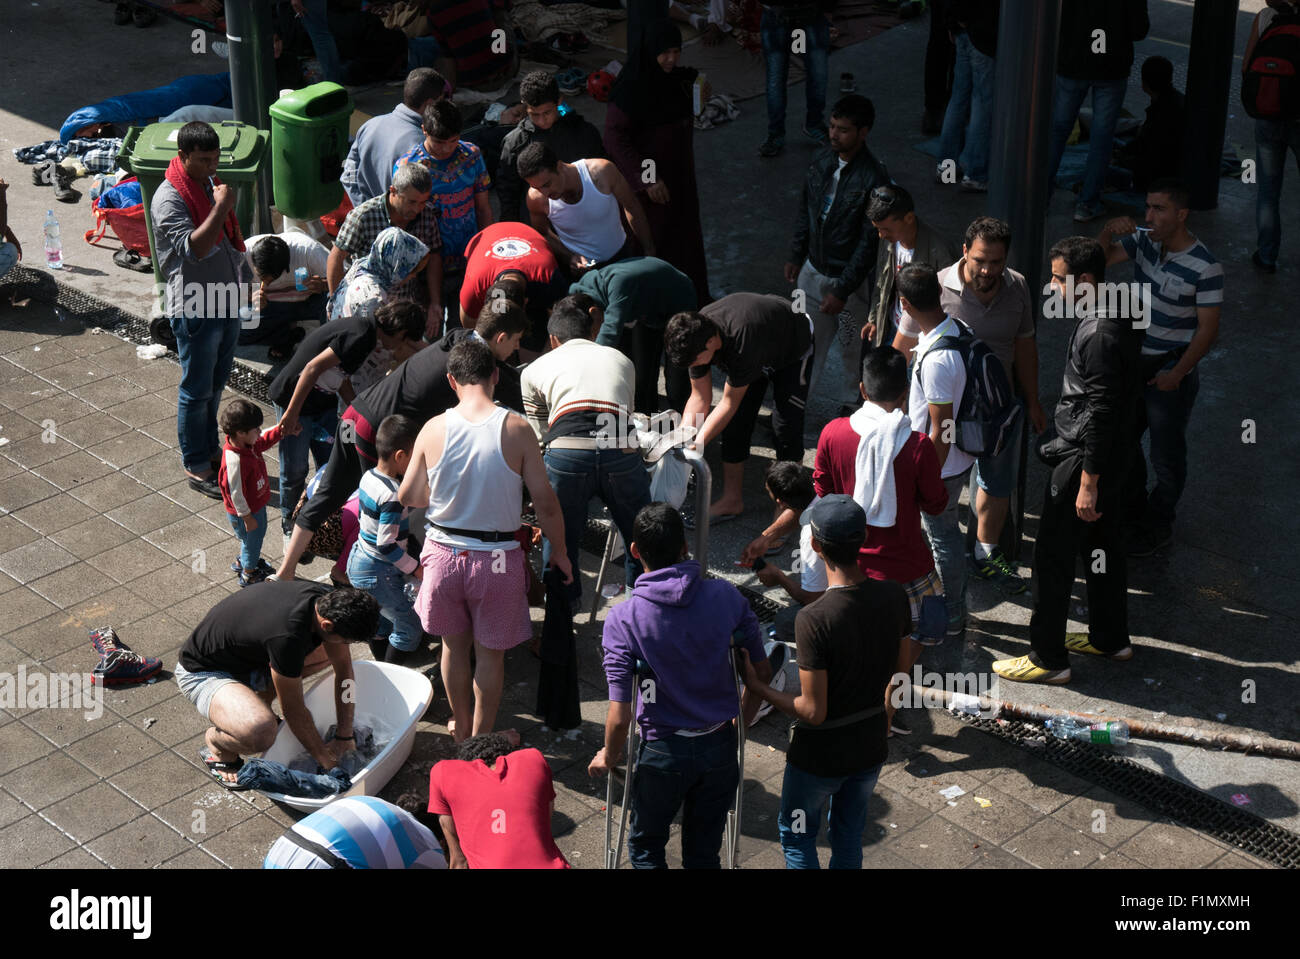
x=502 y=813
x=503 y=246
x=899 y=552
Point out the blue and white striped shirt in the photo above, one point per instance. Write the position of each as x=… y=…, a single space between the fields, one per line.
x=1178 y=287
x=383 y=521
x=363 y=830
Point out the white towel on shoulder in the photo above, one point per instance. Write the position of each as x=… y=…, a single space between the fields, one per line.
x=881 y=437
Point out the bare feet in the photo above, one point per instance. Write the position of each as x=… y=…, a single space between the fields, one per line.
x=725 y=507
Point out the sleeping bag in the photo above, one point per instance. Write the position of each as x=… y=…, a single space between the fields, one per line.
x=208 y=89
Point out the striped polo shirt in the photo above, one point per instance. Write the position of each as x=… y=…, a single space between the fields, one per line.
x=382 y=521
x=363 y=830
x=1179 y=285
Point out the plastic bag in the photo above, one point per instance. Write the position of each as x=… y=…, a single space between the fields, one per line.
x=669 y=479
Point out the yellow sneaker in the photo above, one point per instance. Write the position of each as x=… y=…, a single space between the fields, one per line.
x=1023 y=670
x=1078 y=643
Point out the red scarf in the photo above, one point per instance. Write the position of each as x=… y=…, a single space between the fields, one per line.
x=197 y=202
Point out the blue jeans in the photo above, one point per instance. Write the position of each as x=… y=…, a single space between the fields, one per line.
x=777 y=36
x=250 y=541
x=1272 y=140
x=969 y=116
x=1107 y=99
x=316 y=23
x=949 y=548
x=1165 y=414
x=844 y=798
x=272 y=777
x=620 y=480
x=421 y=52
x=8 y=257
x=317 y=436
x=386 y=583
x=207 y=352
x=697 y=775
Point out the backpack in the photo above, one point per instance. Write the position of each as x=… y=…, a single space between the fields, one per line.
x=988 y=413
x=1270 y=87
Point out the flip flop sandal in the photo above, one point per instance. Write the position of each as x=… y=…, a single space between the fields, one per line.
x=571 y=82
x=215 y=768
x=131 y=260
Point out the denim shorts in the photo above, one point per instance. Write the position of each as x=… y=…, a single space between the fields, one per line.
x=200 y=687
x=996 y=475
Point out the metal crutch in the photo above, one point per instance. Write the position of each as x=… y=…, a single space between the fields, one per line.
x=600 y=576
x=613 y=853
x=733 y=815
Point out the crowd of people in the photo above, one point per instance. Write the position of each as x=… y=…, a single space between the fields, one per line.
x=489 y=384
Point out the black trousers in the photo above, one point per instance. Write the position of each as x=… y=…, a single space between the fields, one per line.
x=940 y=58
x=644 y=346
x=789 y=394
x=1063 y=539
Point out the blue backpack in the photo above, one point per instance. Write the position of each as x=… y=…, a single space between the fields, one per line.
x=988 y=413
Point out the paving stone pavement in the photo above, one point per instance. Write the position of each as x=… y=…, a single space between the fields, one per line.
x=96 y=528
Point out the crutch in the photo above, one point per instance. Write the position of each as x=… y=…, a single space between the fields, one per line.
x=732 y=837
x=613 y=853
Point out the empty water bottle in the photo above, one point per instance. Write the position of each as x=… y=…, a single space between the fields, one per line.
x=300 y=278
x=1101 y=734
x=411 y=590
x=53 y=242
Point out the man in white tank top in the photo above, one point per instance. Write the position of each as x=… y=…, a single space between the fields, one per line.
x=580 y=208
x=468 y=468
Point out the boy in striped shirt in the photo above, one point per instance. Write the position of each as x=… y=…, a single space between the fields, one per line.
x=379 y=561
x=1184 y=284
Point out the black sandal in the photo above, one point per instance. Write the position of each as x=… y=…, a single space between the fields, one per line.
x=131 y=260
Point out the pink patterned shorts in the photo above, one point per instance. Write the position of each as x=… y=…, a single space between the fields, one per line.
x=461 y=593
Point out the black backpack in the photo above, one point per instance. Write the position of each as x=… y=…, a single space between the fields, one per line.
x=1270 y=87
x=988 y=413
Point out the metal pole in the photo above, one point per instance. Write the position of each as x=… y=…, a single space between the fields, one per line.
x=1019 y=146
x=1209 y=78
x=703 y=496
x=252 y=69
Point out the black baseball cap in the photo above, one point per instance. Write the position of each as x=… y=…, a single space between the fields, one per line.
x=838 y=519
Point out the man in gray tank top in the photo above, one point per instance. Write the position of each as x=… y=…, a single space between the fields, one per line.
x=468 y=467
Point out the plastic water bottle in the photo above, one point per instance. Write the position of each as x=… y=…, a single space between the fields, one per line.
x=53 y=242
x=411 y=590
x=300 y=279
x=1101 y=734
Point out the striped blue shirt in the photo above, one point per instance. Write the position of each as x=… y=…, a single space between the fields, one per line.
x=383 y=521
x=1178 y=287
x=363 y=830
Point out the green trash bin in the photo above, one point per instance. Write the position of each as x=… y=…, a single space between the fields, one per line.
x=309 y=142
x=148 y=151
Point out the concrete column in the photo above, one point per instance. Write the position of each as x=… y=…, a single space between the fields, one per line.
x=252 y=81
x=1209 y=80
x=1018 y=158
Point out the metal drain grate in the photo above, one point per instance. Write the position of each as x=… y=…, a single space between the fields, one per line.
x=94 y=312
x=1186 y=804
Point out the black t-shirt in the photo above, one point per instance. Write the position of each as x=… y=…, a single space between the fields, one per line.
x=352 y=341
x=851 y=632
x=268 y=623
x=759 y=332
x=418 y=388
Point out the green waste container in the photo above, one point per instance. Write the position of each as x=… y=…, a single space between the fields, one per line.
x=148 y=151
x=309 y=142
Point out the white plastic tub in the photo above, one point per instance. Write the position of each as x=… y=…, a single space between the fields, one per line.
x=393 y=697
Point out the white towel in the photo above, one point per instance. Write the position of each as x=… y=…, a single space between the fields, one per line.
x=881 y=438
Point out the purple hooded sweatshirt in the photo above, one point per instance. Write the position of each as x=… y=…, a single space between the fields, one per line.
x=681 y=625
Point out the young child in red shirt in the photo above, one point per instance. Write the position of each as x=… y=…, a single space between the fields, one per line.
x=245 y=488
